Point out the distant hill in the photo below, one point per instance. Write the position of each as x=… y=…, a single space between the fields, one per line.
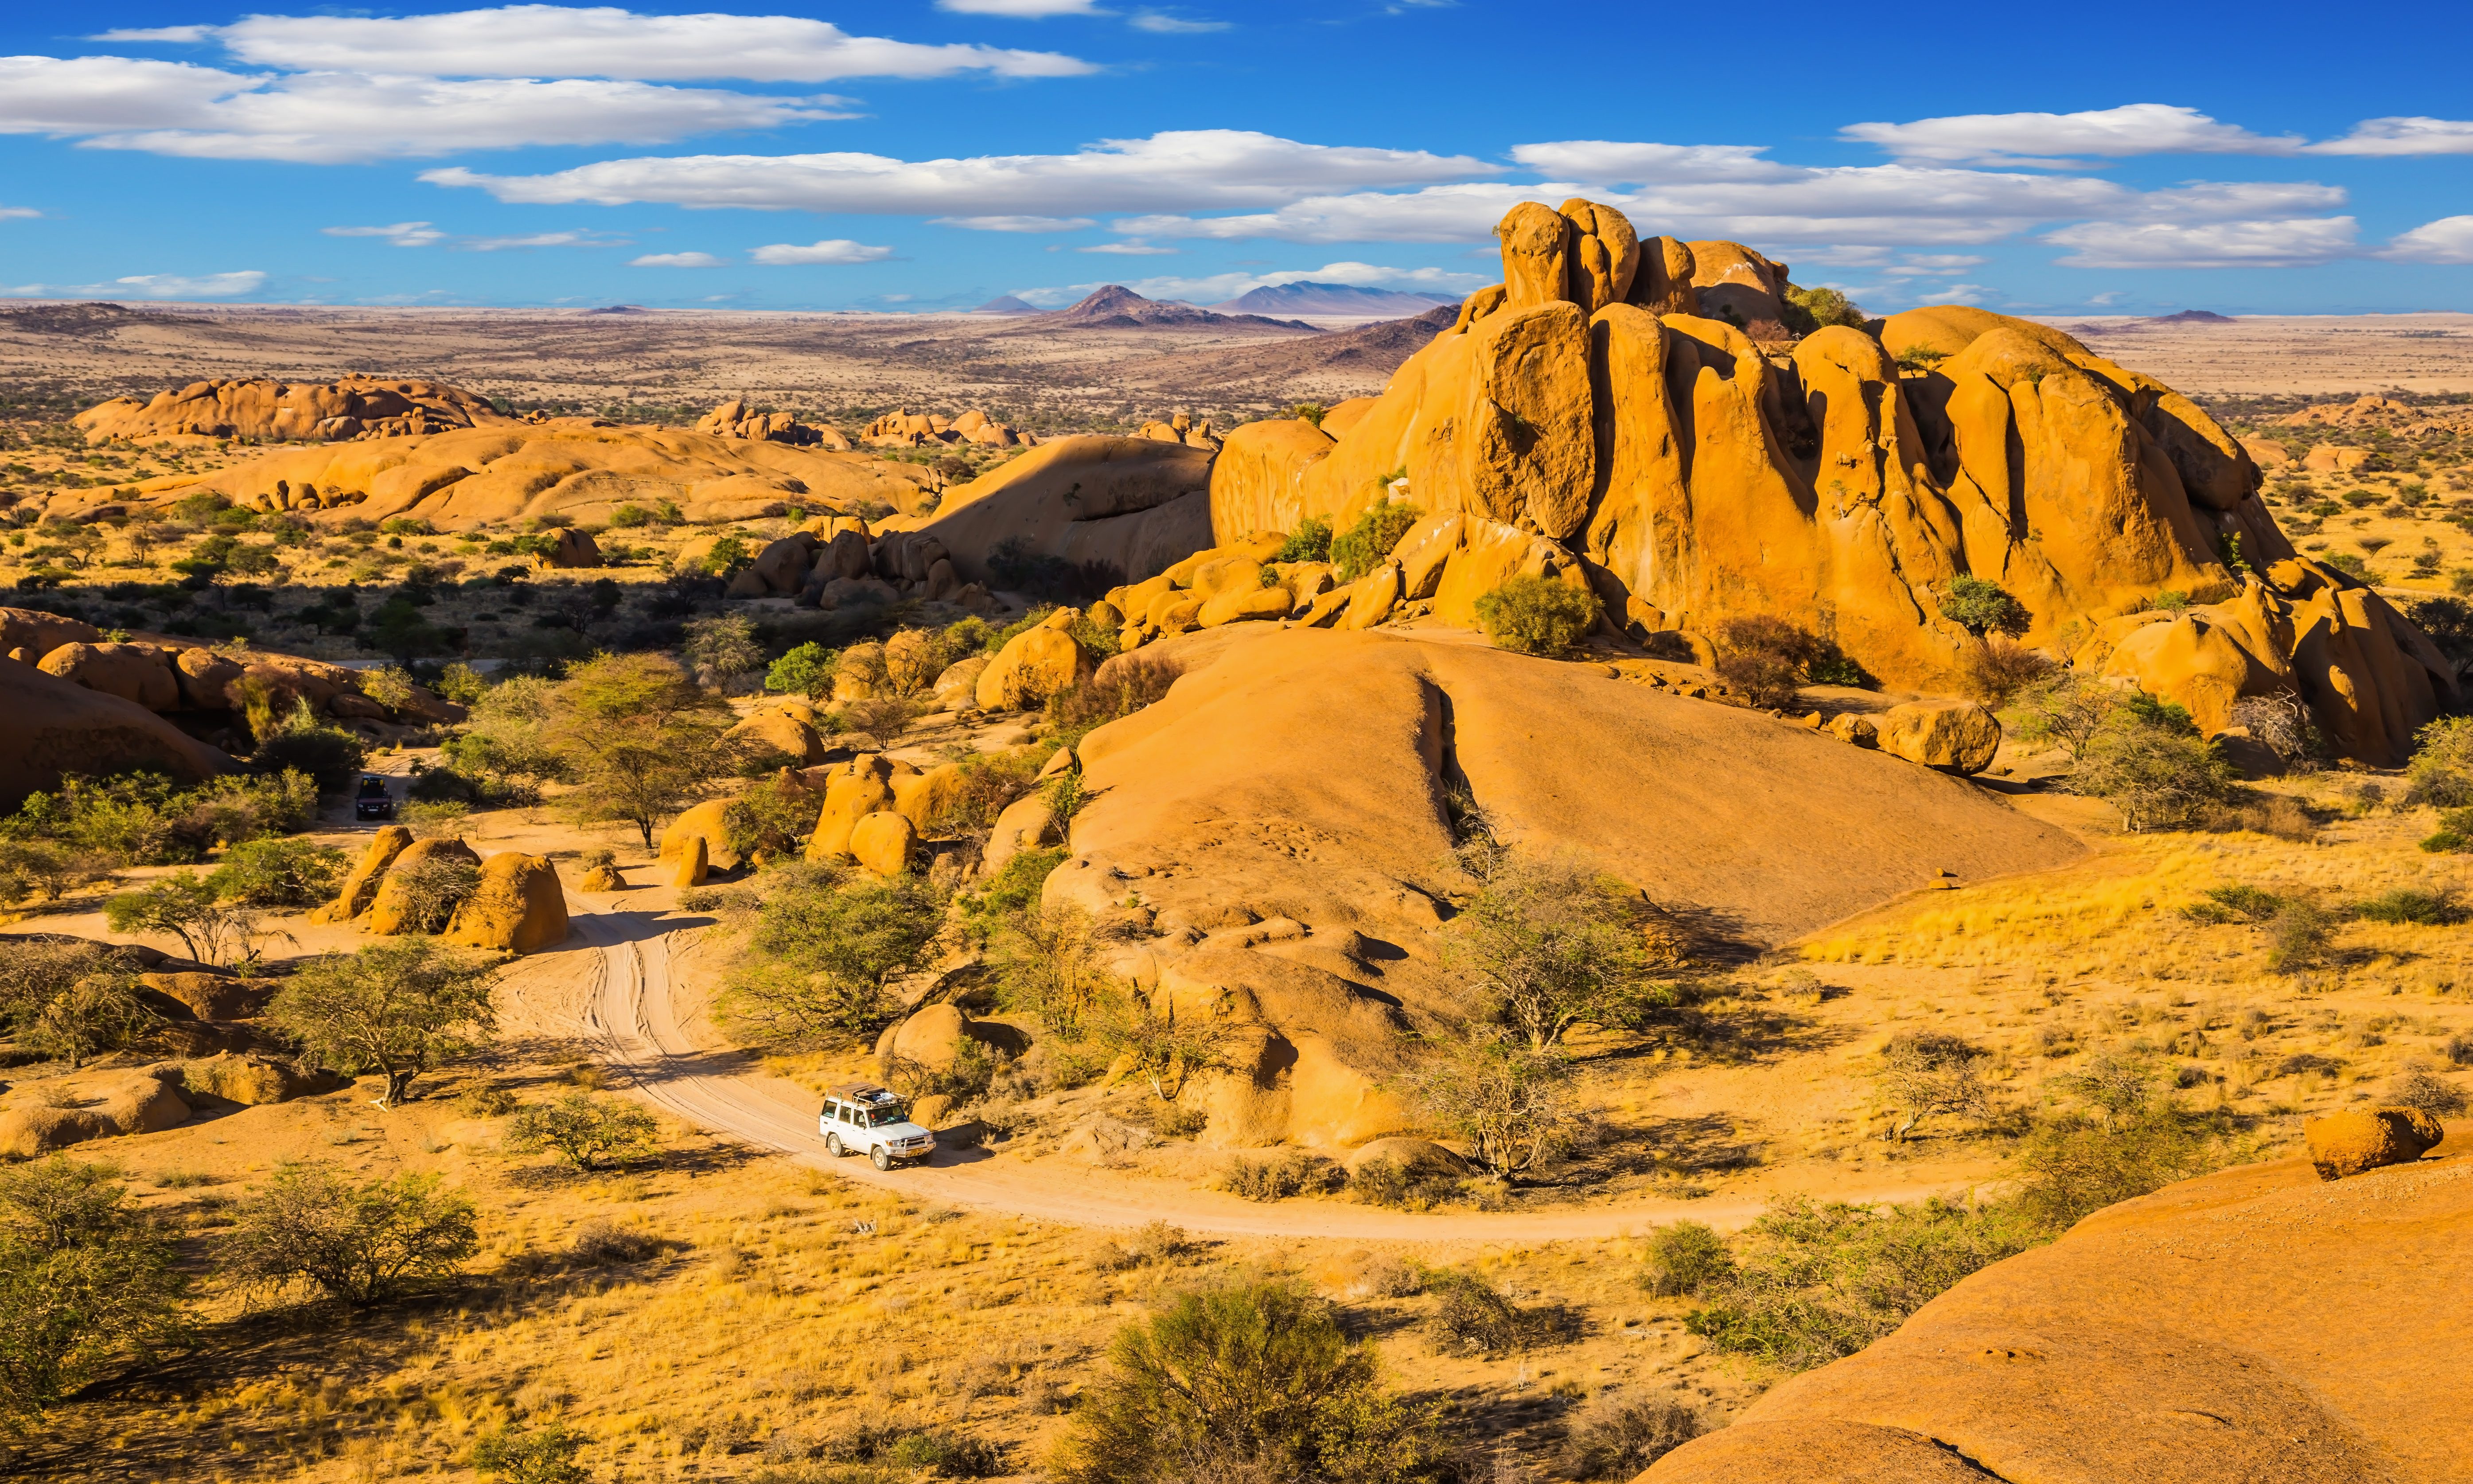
x=1332 y=366
x=2191 y=317
x=1332 y=298
x=1008 y=304
x=620 y=309
x=1118 y=307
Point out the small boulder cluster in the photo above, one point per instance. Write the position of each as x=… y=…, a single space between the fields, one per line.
x=833 y=561
x=904 y=429
x=734 y=420
x=516 y=904
x=168 y=677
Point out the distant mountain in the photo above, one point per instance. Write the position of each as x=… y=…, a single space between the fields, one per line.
x=2191 y=317
x=1332 y=298
x=620 y=309
x=1118 y=307
x=1333 y=366
x=1008 y=304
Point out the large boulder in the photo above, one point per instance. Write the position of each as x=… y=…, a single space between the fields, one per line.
x=1953 y=736
x=30 y=1129
x=2253 y=1326
x=261 y=409
x=783 y=735
x=27 y=635
x=883 y=843
x=361 y=884
x=519 y=906
x=133 y=672
x=251 y=1080
x=391 y=907
x=708 y=822
x=1034 y=665
x=2347 y=1143
x=958 y=687
x=50 y=726
x=571 y=548
x=1027 y=823
x=1127 y=506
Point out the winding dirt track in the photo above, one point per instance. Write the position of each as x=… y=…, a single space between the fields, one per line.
x=614 y=988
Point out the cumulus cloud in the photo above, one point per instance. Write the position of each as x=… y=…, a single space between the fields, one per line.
x=1613 y=162
x=1129 y=248
x=2298 y=243
x=597 y=41
x=585 y=239
x=175 y=286
x=2393 y=136
x=836 y=249
x=2046 y=140
x=2447 y=240
x=1014 y=224
x=332 y=119
x=402 y=234
x=18 y=213
x=1160 y=24
x=675 y=260
x=1176 y=170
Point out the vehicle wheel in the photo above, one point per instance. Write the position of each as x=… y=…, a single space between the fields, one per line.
x=834 y=1146
x=883 y=1158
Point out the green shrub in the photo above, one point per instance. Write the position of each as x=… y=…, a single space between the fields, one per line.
x=2147 y=761
x=1765 y=657
x=1309 y=541
x=328 y=755
x=86 y=1281
x=1473 y=1317
x=727 y=556
x=1276 y=1177
x=1982 y=608
x=542 y=1455
x=277 y=873
x=358 y=1244
x=1619 y=1434
x=2072 y=1165
x=1369 y=543
x=1806 y=310
x=1255 y=1382
x=1537 y=615
x=1814 y=1283
x=805 y=670
x=584 y=1131
x=2408 y=904
x=1684 y=1259
x=2441 y=770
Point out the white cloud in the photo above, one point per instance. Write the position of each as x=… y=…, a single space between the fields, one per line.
x=402 y=234
x=1176 y=26
x=675 y=260
x=1610 y=162
x=2210 y=201
x=2298 y=243
x=1176 y=170
x=1014 y=224
x=175 y=286
x=569 y=239
x=18 y=213
x=598 y=41
x=2402 y=136
x=1020 y=10
x=2042 y=140
x=1130 y=249
x=1875 y=204
x=332 y=118
x=2447 y=240
x=837 y=250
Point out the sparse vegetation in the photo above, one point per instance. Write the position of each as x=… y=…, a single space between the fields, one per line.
x=359 y=1243
x=397 y=1008
x=1369 y=543
x=86 y=1281
x=586 y=1131
x=1538 y=615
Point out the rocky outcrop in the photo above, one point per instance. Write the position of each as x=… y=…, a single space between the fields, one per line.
x=392 y=904
x=734 y=420
x=1034 y=665
x=361 y=884
x=583 y=468
x=902 y=429
x=51 y=726
x=162 y=675
x=1114 y=508
x=2253 y=1326
x=354 y=407
x=1279 y=825
x=1604 y=403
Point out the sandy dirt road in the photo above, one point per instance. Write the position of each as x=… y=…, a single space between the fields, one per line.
x=616 y=988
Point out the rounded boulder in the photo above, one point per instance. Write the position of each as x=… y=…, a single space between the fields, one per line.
x=518 y=907
x=2358 y=1140
x=1951 y=736
x=883 y=843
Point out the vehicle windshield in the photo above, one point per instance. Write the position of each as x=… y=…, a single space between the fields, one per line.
x=373 y=788
x=883 y=1117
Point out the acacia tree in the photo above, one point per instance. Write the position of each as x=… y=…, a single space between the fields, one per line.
x=1551 y=943
x=585 y=1130
x=84 y=1280
x=1511 y=1101
x=189 y=907
x=639 y=737
x=395 y=1006
x=71 y=999
x=360 y=1244
x=822 y=956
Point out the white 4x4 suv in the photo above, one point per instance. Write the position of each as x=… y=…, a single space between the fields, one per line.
x=865 y=1119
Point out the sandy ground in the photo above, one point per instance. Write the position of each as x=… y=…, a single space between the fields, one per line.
x=2259 y=355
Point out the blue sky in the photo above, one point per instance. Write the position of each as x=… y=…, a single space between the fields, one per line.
x=910 y=155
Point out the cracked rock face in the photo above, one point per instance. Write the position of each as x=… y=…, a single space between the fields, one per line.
x=1634 y=402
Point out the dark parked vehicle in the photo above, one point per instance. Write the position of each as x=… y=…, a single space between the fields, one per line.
x=374 y=803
